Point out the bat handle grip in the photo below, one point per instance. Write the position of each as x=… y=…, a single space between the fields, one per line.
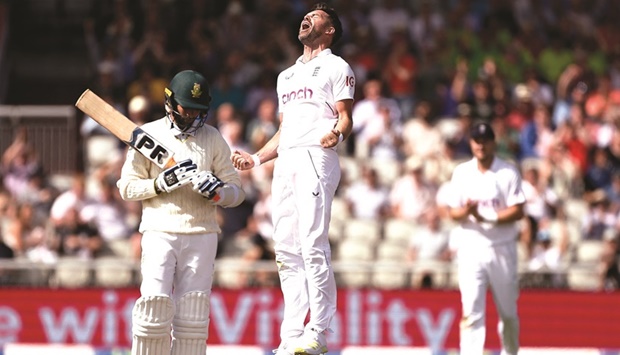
x=216 y=198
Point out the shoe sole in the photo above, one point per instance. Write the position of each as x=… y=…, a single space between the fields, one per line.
x=304 y=352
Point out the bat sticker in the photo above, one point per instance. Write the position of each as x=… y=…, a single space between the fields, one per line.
x=146 y=145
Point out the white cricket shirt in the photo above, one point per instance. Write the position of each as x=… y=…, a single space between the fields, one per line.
x=497 y=188
x=307 y=94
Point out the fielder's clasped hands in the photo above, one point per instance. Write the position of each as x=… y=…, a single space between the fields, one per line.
x=206 y=184
x=176 y=176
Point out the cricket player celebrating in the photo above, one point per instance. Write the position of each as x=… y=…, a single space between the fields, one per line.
x=315 y=102
x=179 y=225
x=487 y=201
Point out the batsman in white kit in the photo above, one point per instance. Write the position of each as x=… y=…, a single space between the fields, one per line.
x=488 y=202
x=178 y=223
x=315 y=97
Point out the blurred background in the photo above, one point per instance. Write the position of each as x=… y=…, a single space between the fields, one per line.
x=544 y=73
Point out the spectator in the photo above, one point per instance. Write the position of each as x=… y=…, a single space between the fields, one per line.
x=20 y=161
x=149 y=83
x=425 y=27
x=366 y=198
x=384 y=141
x=554 y=58
x=75 y=197
x=429 y=243
x=26 y=235
x=598 y=218
x=233 y=135
x=226 y=92
x=609 y=265
x=261 y=89
x=481 y=101
x=411 y=195
x=540 y=198
x=549 y=256
x=400 y=72
x=367 y=115
x=613 y=192
x=6 y=202
x=459 y=141
x=108 y=213
x=263 y=125
x=74 y=237
x=251 y=247
x=386 y=17
x=420 y=134
x=507 y=138
x=599 y=174
x=262 y=212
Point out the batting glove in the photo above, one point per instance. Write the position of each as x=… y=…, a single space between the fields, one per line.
x=207 y=184
x=176 y=176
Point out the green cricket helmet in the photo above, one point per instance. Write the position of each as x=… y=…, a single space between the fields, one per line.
x=190 y=90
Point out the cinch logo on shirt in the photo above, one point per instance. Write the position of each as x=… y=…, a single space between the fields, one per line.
x=304 y=93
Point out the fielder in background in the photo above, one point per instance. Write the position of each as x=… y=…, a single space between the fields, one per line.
x=315 y=102
x=179 y=225
x=487 y=201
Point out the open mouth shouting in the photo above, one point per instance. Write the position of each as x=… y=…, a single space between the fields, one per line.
x=305 y=26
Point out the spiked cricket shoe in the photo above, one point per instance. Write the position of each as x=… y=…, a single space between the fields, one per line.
x=312 y=343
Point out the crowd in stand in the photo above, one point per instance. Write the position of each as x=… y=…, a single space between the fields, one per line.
x=545 y=74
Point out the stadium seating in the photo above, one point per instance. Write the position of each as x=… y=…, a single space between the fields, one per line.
x=399 y=231
x=362 y=231
x=388 y=170
x=71 y=272
x=439 y=272
x=390 y=275
x=580 y=277
x=113 y=272
x=353 y=274
x=391 y=251
x=589 y=251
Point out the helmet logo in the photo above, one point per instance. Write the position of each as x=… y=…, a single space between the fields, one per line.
x=196 y=91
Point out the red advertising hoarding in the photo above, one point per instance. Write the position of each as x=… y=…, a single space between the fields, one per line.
x=102 y=318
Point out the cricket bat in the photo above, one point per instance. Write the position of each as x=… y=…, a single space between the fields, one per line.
x=124 y=129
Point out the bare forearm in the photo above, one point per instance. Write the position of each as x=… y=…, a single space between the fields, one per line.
x=270 y=150
x=459 y=213
x=510 y=214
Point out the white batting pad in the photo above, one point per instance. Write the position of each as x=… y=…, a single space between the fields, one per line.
x=191 y=324
x=152 y=319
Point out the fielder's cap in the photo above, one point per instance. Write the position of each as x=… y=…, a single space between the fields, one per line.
x=482 y=131
x=190 y=90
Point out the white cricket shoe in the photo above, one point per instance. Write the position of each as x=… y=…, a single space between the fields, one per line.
x=312 y=343
x=283 y=350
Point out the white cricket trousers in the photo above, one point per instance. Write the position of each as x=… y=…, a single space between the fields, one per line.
x=183 y=262
x=303 y=188
x=478 y=269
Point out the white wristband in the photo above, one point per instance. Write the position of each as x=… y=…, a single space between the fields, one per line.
x=340 y=138
x=256 y=160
